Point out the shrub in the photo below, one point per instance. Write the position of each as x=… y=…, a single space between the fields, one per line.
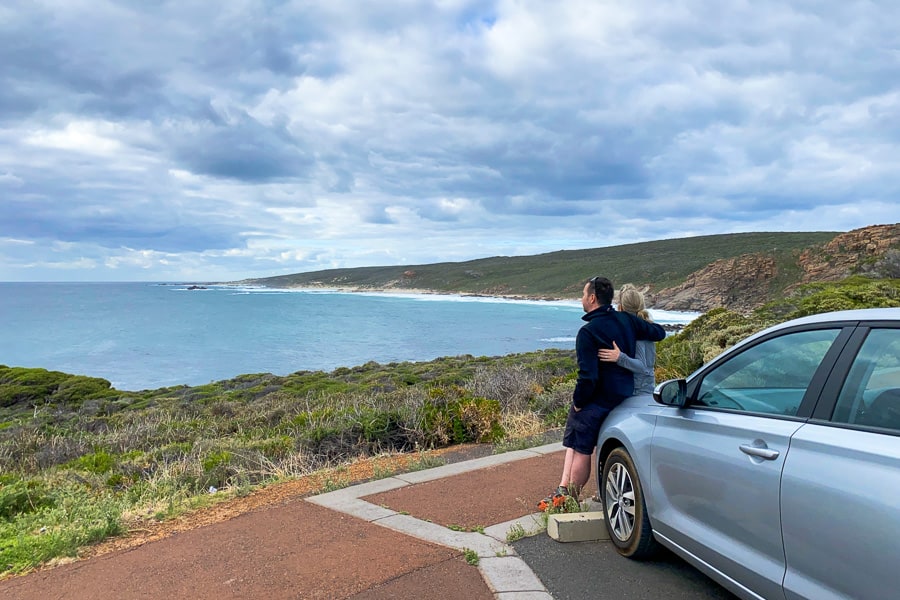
x=513 y=385
x=97 y=462
x=20 y=385
x=553 y=403
x=383 y=431
x=276 y=448
x=12 y=394
x=75 y=390
x=76 y=518
x=461 y=421
x=851 y=293
x=216 y=468
x=21 y=496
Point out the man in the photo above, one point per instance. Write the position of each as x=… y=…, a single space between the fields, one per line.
x=601 y=386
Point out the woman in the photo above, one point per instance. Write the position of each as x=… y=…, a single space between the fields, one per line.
x=644 y=361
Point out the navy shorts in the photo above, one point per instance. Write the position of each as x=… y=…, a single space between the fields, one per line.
x=583 y=427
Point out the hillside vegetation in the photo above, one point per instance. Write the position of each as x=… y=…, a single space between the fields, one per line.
x=81 y=461
x=658 y=264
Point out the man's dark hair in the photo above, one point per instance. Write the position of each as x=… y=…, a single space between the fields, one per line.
x=603 y=289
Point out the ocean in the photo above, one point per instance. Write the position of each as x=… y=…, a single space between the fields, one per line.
x=152 y=335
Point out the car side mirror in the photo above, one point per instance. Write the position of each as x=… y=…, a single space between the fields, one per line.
x=671 y=393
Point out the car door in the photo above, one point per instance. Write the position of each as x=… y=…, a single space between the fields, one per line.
x=841 y=482
x=716 y=465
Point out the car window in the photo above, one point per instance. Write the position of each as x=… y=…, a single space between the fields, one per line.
x=871 y=392
x=770 y=377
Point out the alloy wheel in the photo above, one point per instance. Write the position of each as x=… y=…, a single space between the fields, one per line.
x=619 y=500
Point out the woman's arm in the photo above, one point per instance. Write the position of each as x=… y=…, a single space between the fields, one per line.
x=638 y=364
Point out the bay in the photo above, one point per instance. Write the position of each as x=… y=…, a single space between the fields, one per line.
x=152 y=335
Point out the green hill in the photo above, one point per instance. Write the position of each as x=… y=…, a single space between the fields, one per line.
x=658 y=264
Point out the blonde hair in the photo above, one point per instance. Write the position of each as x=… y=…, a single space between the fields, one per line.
x=631 y=300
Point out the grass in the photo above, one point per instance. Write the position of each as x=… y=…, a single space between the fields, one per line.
x=476 y=529
x=71 y=519
x=471 y=557
x=515 y=533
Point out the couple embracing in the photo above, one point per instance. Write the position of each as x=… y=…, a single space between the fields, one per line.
x=616 y=355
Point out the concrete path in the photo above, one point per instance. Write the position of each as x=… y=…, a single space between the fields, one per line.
x=505 y=573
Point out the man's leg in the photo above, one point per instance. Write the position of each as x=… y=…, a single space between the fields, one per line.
x=567 y=468
x=580 y=470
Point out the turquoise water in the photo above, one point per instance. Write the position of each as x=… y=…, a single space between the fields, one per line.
x=146 y=336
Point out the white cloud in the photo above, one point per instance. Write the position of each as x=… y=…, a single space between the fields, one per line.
x=10 y=180
x=79 y=136
x=191 y=140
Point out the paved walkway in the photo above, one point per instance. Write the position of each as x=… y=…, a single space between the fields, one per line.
x=403 y=536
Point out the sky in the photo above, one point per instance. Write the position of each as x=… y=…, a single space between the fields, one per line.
x=194 y=140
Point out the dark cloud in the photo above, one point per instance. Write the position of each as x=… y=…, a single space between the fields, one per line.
x=243 y=149
x=141 y=61
x=115 y=232
x=375 y=214
x=136 y=225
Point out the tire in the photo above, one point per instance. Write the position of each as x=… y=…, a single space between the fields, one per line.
x=624 y=508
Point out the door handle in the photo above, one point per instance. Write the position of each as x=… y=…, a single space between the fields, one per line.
x=765 y=453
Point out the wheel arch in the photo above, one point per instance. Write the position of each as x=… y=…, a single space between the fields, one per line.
x=608 y=445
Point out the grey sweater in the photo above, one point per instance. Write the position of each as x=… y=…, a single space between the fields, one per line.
x=641 y=365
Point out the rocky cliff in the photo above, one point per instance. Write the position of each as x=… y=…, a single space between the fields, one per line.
x=871 y=251
x=749 y=281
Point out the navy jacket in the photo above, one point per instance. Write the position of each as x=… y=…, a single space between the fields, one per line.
x=606 y=383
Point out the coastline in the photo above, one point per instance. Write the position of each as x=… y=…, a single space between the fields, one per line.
x=396 y=291
x=356 y=289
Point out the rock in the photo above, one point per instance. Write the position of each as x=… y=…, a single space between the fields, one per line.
x=850 y=253
x=739 y=283
x=748 y=281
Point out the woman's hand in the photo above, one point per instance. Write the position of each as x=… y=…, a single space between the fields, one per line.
x=609 y=355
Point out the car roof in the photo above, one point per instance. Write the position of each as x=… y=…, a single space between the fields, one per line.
x=839 y=316
x=861 y=314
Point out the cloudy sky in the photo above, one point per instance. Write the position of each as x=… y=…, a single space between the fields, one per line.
x=197 y=140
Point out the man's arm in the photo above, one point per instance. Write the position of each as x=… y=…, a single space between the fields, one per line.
x=646 y=330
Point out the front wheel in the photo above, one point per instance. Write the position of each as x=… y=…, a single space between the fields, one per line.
x=624 y=507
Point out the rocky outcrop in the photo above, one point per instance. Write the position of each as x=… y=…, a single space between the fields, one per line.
x=740 y=283
x=749 y=281
x=868 y=251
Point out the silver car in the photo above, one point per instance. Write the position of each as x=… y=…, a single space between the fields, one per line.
x=775 y=468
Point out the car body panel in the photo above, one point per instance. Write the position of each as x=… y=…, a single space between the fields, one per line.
x=840 y=495
x=716 y=501
x=636 y=416
x=722 y=578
